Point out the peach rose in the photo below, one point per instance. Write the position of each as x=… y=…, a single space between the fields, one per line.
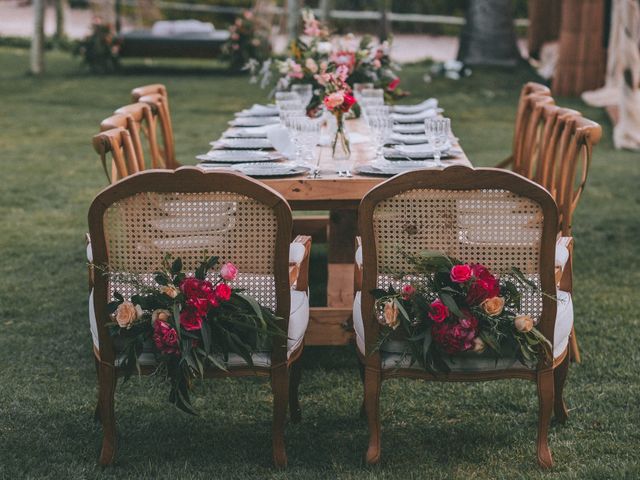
x=391 y=314
x=169 y=291
x=127 y=313
x=523 y=323
x=160 y=314
x=493 y=306
x=478 y=345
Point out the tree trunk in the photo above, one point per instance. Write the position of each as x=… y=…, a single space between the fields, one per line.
x=325 y=8
x=544 y=24
x=489 y=37
x=385 y=25
x=293 y=18
x=37 y=40
x=581 y=55
x=60 y=33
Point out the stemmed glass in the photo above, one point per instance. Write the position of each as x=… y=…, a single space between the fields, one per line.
x=438 y=131
x=308 y=131
x=304 y=91
x=381 y=126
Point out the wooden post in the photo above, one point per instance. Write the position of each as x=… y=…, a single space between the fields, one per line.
x=544 y=24
x=293 y=18
x=489 y=37
x=37 y=40
x=325 y=9
x=581 y=55
x=385 y=25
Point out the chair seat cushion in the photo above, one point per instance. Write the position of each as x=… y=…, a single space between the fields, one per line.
x=298 y=321
x=394 y=356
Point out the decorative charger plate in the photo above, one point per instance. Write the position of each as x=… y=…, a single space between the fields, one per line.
x=241 y=143
x=239 y=156
x=284 y=169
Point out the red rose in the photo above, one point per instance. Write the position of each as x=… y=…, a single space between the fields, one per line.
x=408 y=291
x=190 y=286
x=393 y=84
x=461 y=273
x=454 y=338
x=190 y=319
x=223 y=292
x=165 y=337
x=484 y=285
x=348 y=102
x=439 y=311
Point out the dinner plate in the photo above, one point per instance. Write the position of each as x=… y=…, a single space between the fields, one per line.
x=241 y=143
x=390 y=169
x=239 y=156
x=254 y=121
x=284 y=169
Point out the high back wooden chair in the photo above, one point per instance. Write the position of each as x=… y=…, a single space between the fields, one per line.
x=135 y=222
x=490 y=216
x=119 y=145
x=126 y=122
x=140 y=118
x=531 y=134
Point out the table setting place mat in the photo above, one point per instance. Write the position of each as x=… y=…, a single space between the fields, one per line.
x=241 y=144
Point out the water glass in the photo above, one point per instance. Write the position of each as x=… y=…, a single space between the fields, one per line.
x=288 y=107
x=381 y=128
x=304 y=91
x=437 y=131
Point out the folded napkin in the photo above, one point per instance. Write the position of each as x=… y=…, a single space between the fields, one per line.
x=247 y=132
x=409 y=128
x=421 y=150
x=281 y=141
x=258 y=110
x=415 y=117
x=427 y=104
x=254 y=121
x=408 y=139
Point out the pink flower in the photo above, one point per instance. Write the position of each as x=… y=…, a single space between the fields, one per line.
x=312 y=28
x=460 y=273
x=408 y=291
x=344 y=59
x=342 y=73
x=222 y=292
x=295 y=70
x=165 y=338
x=229 y=272
x=190 y=319
x=485 y=285
x=393 y=84
x=334 y=100
x=439 y=311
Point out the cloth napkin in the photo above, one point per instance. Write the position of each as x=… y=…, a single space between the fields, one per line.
x=247 y=132
x=426 y=105
x=408 y=139
x=415 y=117
x=281 y=140
x=421 y=150
x=258 y=110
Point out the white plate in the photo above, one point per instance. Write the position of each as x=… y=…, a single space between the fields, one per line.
x=241 y=143
x=254 y=121
x=238 y=156
x=389 y=169
x=284 y=169
x=248 y=132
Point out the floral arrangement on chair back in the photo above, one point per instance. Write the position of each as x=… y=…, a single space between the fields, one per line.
x=317 y=53
x=100 y=50
x=249 y=40
x=453 y=307
x=189 y=322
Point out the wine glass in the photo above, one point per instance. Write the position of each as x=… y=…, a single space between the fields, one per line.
x=304 y=91
x=381 y=127
x=437 y=131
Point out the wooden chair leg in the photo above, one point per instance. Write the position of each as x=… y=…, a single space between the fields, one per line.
x=559 y=378
x=363 y=411
x=295 y=412
x=96 y=413
x=575 y=350
x=280 y=388
x=545 y=382
x=372 y=384
x=106 y=402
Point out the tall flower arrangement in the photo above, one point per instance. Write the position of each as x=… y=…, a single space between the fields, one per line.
x=458 y=307
x=338 y=100
x=100 y=50
x=249 y=39
x=190 y=322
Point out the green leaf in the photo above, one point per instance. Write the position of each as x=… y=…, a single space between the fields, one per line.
x=176 y=266
x=161 y=278
x=206 y=336
x=451 y=304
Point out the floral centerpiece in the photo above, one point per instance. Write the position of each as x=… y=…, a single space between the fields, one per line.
x=100 y=50
x=189 y=323
x=317 y=53
x=249 y=39
x=458 y=307
x=338 y=100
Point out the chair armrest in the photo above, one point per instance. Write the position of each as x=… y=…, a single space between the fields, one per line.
x=299 y=254
x=357 y=267
x=563 y=263
x=90 y=269
x=505 y=163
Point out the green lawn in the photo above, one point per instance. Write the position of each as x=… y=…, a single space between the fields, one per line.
x=487 y=430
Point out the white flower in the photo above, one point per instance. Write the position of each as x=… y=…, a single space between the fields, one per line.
x=325 y=48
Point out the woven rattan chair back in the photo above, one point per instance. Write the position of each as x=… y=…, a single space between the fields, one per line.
x=140 y=118
x=117 y=143
x=191 y=214
x=486 y=216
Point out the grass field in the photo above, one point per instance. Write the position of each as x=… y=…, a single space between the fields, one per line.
x=482 y=431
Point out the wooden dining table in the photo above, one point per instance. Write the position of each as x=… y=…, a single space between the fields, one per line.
x=340 y=195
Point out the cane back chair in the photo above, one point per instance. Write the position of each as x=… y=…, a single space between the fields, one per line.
x=119 y=145
x=188 y=212
x=491 y=216
x=140 y=118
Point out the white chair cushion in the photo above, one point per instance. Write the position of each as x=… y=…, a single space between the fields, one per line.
x=392 y=353
x=296 y=253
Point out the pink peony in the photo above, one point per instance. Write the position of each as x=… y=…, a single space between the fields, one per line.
x=165 y=338
x=460 y=273
x=439 y=311
x=229 y=272
x=190 y=319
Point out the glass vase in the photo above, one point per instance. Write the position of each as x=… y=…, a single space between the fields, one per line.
x=340 y=148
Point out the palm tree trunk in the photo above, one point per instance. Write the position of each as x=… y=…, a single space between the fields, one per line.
x=489 y=37
x=37 y=40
